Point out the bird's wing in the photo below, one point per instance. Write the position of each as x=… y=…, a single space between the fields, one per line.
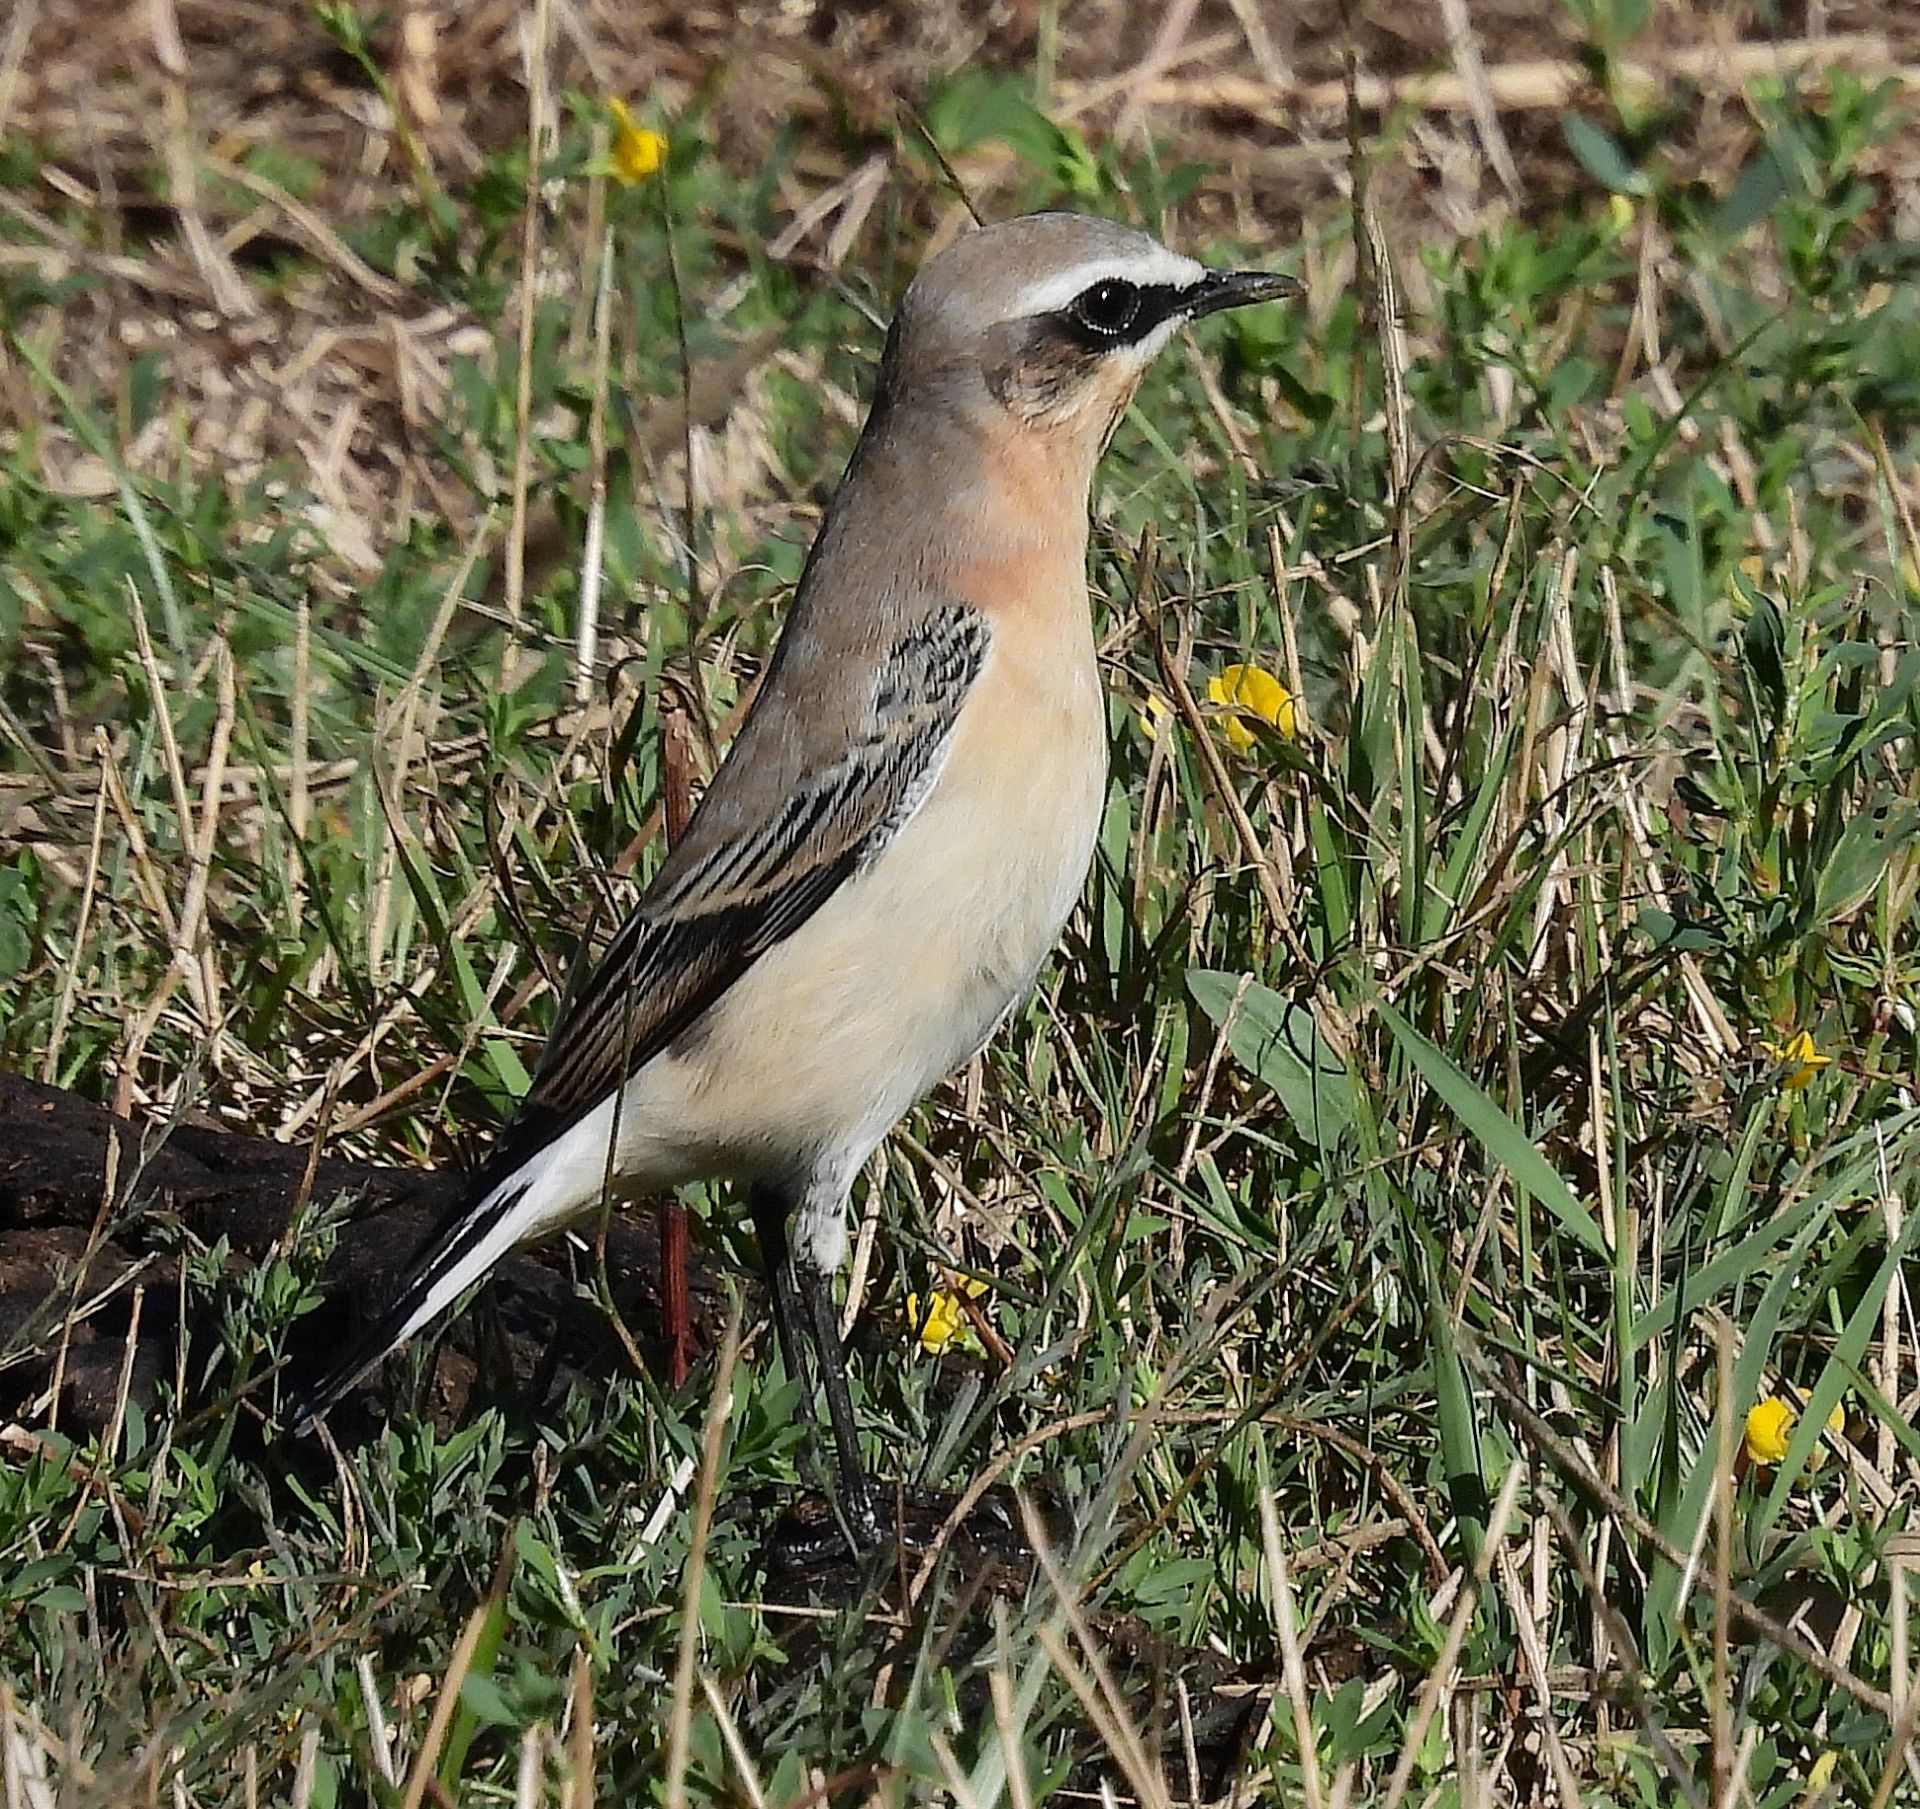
x=822 y=777
x=839 y=750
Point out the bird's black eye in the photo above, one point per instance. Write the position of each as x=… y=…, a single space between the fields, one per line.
x=1108 y=309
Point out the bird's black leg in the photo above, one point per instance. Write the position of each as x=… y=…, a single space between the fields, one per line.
x=855 y=1492
x=770 y=1212
x=814 y=1310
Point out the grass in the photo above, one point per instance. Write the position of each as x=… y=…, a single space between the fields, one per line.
x=1394 y=1199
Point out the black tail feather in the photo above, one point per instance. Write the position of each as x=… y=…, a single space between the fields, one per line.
x=441 y=1270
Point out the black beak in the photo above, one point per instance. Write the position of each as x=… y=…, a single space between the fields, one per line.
x=1236 y=288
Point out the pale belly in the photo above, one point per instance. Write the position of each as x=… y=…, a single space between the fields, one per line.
x=814 y=1053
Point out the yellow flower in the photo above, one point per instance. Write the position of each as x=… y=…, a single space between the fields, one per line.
x=1800 y=1058
x=1770 y=1428
x=1152 y=714
x=1253 y=691
x=943 y=1318
x=638 y=151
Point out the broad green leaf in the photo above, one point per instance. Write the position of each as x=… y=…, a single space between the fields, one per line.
x=1495 y=1132
x=1599 y=153
x=1865 y=847
x=1762 y=183
x=1280 y=1044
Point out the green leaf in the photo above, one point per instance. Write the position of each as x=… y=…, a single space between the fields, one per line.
x=1859 y=858
x=487 y=1702
x=1458 y=1427
x=1495 y=1132
x=1074 y=165
x=1665 y=932
x=978 y=106
x=1762 y=647
x=1759 y=186
x=1600 y=154
x=16 y=921
x=1750 y=1258
x=485 y=1694
x=1280 y=1044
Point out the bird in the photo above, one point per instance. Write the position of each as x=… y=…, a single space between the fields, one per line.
x=889 y=850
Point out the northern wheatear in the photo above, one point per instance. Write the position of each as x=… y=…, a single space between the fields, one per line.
x=893 y=842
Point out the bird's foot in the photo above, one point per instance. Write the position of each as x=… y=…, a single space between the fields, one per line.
x=863 y=1502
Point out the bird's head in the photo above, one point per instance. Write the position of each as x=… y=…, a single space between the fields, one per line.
x=1046 y=323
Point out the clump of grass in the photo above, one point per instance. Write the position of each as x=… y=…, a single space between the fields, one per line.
x=1467 y=1091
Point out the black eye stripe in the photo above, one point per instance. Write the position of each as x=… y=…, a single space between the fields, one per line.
x=1113 y=312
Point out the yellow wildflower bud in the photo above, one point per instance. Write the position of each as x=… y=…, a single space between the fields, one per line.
x=1800 y=1058
x=638 y=151
x=1253 y=691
